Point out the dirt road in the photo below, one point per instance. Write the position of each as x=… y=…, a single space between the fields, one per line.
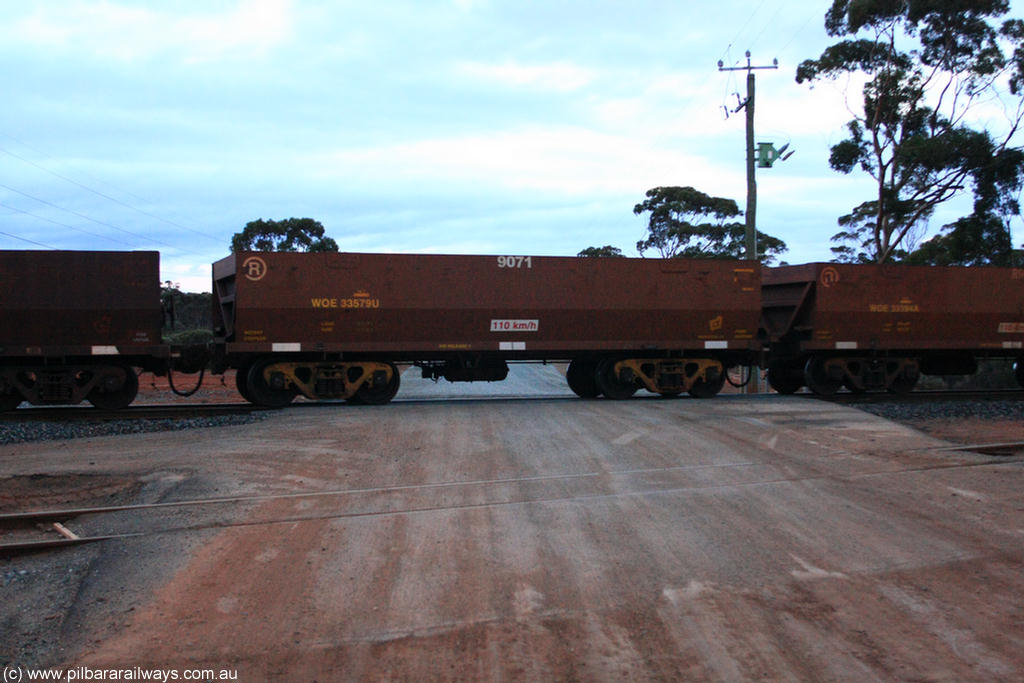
x=737 y=539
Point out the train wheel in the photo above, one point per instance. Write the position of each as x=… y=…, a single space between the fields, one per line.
x=379 y=395
x=265 y=394
x=242 y=382
x=610 y=384
x=902 y=384
x=707 y=388
x=10 y=401
x=785 y=379
x=817 y=379
x=853 y=388
x=109 y=396
x=580 y=376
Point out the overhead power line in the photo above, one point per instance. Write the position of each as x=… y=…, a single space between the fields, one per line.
x=106 y=196
x=799 y=31
x=765 y=26
x=746 y=24
x=120 y=190
x=98 y=222
x=25 y=239
x=65 y=225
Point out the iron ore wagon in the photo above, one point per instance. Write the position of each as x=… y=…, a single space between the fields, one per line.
x=335 y=325
x=882 y=326
x=75 y=324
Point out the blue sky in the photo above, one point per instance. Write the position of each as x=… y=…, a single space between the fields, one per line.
x=467 y=126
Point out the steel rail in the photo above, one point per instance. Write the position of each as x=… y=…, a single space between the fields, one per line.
x=46 y=515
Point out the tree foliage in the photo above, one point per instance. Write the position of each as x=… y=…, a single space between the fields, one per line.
x=187 y=315
x=970 y=241
x=606 y=251
x=931 y=65
x=685 y=222
x=292 y=234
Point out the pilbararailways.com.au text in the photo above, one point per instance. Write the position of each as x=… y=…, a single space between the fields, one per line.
x=135 y=673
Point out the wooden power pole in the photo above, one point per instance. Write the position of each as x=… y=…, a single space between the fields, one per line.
x=753 y=385
x=748 y=104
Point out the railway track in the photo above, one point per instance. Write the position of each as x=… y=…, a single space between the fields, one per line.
x=85 y=413
x=69 y=422
x=40 y=530
x=920 y=396
x=184 y=410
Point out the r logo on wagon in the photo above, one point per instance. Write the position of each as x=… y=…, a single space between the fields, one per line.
x=254 y=268
x=515 y=325
x=829 y=276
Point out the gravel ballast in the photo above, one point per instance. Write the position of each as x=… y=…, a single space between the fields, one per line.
x=909 y=412
x=23 y=432
x=942 y=410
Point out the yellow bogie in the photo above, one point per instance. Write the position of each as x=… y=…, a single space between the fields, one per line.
x=370 y=381
x=671 y=376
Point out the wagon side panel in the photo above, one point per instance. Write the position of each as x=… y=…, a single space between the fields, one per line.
x=68 y=303
x=425 y=304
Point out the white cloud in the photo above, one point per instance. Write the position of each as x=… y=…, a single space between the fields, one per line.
x=467 y=5
x=127 y=33
x=570 y=160
x=556 y=76
x=467 y=120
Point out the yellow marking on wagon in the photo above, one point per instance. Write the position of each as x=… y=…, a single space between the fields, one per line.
x=357 y=300
x=904 y=306
x=360 y=303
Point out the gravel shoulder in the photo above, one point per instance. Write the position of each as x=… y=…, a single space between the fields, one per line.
x=959 y=422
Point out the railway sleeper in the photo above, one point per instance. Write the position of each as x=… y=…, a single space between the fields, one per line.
x=110 y=387
x=276 y=383
x=701 y=377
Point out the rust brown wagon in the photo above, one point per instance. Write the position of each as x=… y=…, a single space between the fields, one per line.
x=882 y=326
x=334 y=325
x=76 y=324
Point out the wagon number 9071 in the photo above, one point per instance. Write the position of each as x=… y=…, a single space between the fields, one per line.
x=514 y=262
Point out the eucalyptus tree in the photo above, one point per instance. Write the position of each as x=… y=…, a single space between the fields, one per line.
x=938 y=116
x=291 y=234
x=686 y=222
x=607 y=251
